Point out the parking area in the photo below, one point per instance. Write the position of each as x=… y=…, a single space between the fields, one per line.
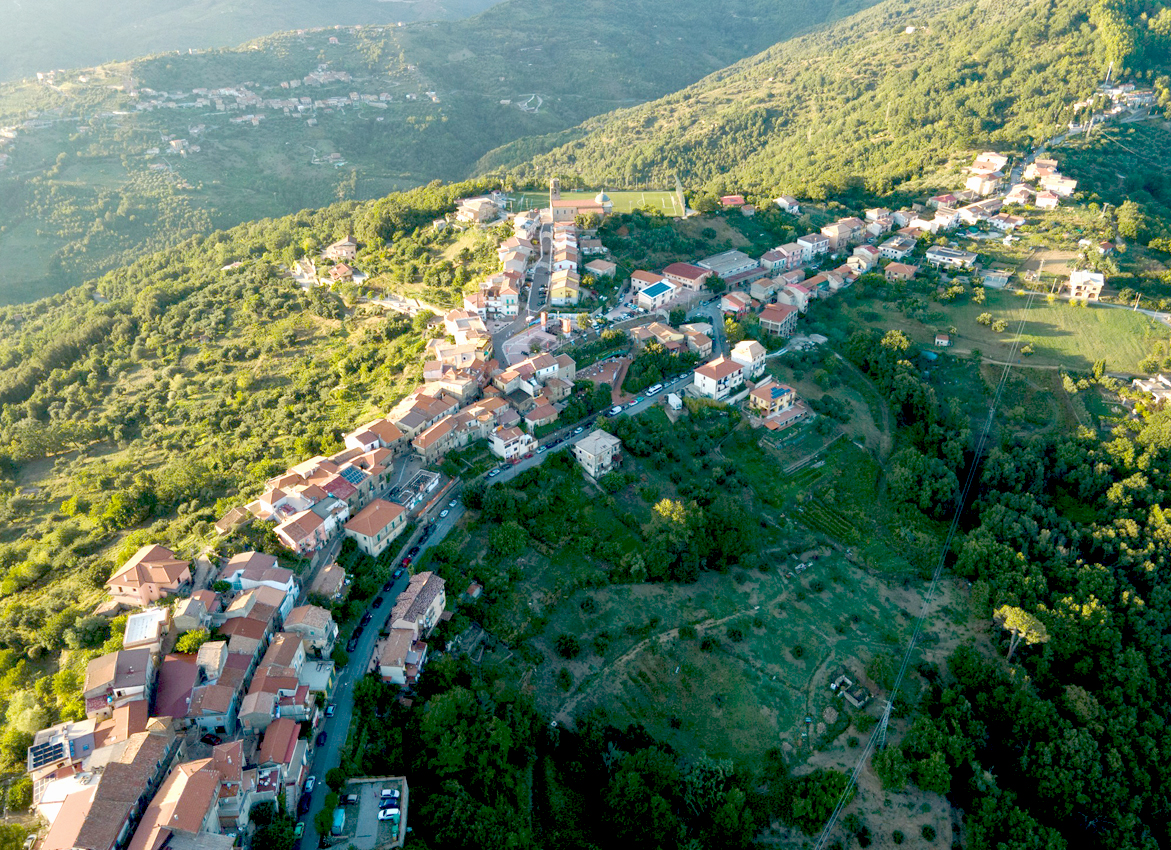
x=375 y=813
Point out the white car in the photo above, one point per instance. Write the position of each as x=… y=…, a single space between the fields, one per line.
x=310 y=781
x=444 y=513
x=387 y=814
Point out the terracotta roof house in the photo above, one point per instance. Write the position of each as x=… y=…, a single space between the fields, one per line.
x=248 y=570
x=376 y=526
x=343 y=249
x=779 y=319
x=315 y=626
x=329 y=582
x=901 y=271
x=117 y=678
x=150 y=575
x=686 y=275
x=187 y=802
x=420 y=604
x=401 y=657
x=719 y=378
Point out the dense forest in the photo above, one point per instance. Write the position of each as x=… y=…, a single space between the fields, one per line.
x=893 y=92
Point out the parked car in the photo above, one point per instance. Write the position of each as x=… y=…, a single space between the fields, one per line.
x=542 y=449
x=389 y=584
x=389 y=794
x=310 y=781
x=493 y=473
x=352 y=644
x=331 y=709
x=213 y=740
x=453 y=503
x=298 y=830
x=615 y=410
x=406 y=562
x=578 y=429
x=377 y=601
x=398 y=574
x=358 y=632
x=303 y=805
x=414 y=551
x=321 y=736
x=444 y=513
x=367 y=617
x=388 y=814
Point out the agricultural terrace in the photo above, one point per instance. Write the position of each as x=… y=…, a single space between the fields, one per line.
x=767 y=581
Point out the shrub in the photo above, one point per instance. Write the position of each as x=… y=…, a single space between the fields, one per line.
x=567 y=646
x=897 y=837
x=797 y=651
x=928 y=832
x=688 y=633
x=709 y=644
x=601 y=642
x=589 y=605
x=735 y=634
x=20 y=794
x=564 y=679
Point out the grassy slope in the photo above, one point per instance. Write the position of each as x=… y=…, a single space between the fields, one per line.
x=87 y=33
x=862 y=103
x=582 y=59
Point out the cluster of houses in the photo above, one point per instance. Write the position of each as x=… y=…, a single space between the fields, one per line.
x=177 y=748
x=244 y=98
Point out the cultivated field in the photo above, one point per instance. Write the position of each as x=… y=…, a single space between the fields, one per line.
x=624 y=202
x=1061 y=334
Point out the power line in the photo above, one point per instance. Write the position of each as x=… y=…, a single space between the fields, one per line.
x=878 y=738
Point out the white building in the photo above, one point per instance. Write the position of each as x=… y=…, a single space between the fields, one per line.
x=511 y=443
x=720 y=378
x=598 y=453
x=750 y=354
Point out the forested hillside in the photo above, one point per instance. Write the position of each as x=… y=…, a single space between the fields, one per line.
x=89 y=177
x=872 y=101
x=147 y=401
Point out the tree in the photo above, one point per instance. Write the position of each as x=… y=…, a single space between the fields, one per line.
x=984 y=319
x=716 y=284
x=677 y=316
x=189 y=642
x=508 y=539
x=20 y=793
x=1022 y=626
x=567 y=645
x=584 y=321
x=25 y=713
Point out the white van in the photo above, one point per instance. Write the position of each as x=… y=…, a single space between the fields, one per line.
x=657 y=388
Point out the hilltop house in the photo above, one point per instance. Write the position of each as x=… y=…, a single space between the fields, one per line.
x=720 y=378
x=376 y=526
x=151 y=574
x=1084 y=285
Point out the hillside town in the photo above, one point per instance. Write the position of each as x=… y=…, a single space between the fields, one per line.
x=216 y=700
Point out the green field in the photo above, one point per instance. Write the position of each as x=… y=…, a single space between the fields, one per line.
x=1061 y=334
x=624 y=202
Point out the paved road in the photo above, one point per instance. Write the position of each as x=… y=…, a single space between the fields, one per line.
x=535 y=302
x=569 y=438
x=336 y=727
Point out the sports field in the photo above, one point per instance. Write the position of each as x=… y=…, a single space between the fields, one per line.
x=624 y=202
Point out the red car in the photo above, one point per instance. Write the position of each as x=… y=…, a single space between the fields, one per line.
x=406 y=561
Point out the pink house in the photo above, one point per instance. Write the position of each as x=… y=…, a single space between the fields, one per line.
x=151 y=574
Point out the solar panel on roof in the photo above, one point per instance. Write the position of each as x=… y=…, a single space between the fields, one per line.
x=354 y=475
x=43 y=754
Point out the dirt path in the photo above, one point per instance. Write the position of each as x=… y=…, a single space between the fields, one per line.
x=564 y=715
